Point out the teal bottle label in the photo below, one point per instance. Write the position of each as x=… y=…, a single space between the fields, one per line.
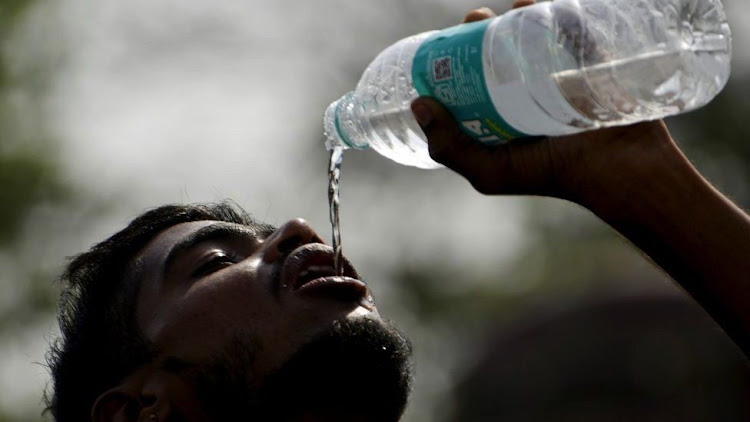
x=448 y=66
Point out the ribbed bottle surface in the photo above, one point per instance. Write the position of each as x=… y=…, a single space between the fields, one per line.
x=377 y=114
x=555 y=68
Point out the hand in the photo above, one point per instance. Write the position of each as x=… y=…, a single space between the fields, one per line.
x=573 y=167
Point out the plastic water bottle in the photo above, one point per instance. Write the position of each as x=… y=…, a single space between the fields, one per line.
x=554 y=68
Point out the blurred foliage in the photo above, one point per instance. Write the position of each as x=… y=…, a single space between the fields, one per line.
x=28 y=171
x=30 y=177
x=37 y=300
x=27 y=179
x=10 y=10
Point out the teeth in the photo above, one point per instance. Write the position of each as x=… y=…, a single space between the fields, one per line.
x=312 y=272
x=316 y=269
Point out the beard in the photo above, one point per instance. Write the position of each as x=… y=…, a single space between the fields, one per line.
x=357 y=370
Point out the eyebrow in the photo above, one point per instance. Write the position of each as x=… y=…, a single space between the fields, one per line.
x=216 y=231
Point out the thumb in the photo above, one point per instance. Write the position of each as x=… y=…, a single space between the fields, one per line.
x=448 y=144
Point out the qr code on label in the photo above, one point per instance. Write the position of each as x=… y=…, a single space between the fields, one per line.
x=442 y=69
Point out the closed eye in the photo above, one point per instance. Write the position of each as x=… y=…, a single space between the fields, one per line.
x=218 y=260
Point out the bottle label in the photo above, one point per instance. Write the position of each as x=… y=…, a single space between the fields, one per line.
x=448 y=66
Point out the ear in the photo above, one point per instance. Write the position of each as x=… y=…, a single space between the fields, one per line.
x=126 y=402
x=116 y=405
x=145 y=396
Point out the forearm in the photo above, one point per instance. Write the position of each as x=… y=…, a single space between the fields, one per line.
x=637 y=180
x=667 y=209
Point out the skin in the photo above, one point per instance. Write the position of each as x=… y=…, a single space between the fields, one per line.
x=636 y=179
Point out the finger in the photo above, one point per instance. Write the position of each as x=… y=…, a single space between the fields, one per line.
x=449 y=145
x=522 y=3
x=478 y=15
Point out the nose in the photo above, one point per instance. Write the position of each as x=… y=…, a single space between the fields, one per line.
x=288 y=237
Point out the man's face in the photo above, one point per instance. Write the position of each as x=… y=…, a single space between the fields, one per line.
x=221 y=295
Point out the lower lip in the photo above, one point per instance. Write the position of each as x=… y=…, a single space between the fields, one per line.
x=345 y=289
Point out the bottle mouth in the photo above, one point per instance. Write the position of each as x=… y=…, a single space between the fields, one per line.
x=331 y=127
x=334 y=132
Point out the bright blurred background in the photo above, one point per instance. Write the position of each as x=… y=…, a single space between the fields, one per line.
x=520 y=308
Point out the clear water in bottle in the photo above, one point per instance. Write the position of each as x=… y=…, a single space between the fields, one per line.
x=377 y=114
x=554 y=68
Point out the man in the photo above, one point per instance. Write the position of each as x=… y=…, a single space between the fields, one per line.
x=197 y=313
x=200 y=313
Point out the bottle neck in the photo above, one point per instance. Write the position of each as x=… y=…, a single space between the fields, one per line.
x=341 y=125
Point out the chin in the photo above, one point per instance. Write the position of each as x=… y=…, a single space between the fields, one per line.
x=360 y=369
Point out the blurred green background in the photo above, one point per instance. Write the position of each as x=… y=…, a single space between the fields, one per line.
x=528 y=305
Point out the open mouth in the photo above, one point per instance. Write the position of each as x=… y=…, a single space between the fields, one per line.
x=309 y=270
x=313 y=273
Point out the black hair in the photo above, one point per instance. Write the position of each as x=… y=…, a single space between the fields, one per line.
x=100 y=342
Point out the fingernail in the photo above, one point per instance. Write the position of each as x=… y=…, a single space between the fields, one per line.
x=422 y=114
x=487 y=11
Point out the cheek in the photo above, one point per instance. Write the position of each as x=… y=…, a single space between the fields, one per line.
x=210 y=313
